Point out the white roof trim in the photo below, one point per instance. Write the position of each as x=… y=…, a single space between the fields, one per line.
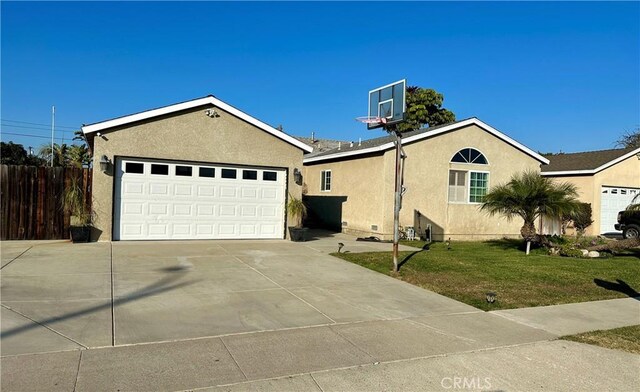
x=192 y=104
x=424 y=135
x=597 y=169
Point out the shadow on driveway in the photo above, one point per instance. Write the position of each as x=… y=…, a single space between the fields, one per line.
x=161 y=286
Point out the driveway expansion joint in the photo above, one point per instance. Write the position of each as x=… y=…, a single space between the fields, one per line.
x=44 y=325
x=16 y=258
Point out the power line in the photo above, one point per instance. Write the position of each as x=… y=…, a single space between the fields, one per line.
x=32 y=136
x=37 y=128
x=46 y=125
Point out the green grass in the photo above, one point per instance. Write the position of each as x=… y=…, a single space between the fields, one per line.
x=471 y=269
x=625 y=338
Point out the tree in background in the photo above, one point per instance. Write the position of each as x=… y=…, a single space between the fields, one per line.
x=629 y=139
x=78 y=155
x=59 y=154
x=528 y=195
x=424 y=107
x=64 y=155
x=15 y=154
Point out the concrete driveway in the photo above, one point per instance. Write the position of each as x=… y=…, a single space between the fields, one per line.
x=64 y=296
x=195 y=314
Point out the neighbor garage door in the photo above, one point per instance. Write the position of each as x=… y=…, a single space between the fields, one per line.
x=614 y=199
x=161 y=200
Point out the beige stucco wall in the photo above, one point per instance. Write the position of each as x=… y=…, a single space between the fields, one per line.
x=622 y=174
x=190 y=135
x=368 y=184
x=361 y=182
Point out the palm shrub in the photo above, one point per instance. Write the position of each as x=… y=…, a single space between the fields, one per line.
x=529 y=196
x=73 y=202
x=297 y=209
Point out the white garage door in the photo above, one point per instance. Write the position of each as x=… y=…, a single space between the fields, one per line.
x=159 y=200
x=613 y=200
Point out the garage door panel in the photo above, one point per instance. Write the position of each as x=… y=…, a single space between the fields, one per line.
x=158 y=209
x=206 y=190
x=228 y=192
x=163 y=205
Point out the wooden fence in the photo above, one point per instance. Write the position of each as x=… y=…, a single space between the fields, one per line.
x=31 y=201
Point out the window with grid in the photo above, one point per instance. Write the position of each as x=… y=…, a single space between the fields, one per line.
x=478 y=183
x=325 y=181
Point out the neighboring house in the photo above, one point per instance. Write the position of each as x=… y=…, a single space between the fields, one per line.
x=320 y=145
x=200 y=169
x=447 y=171
x=608 y=179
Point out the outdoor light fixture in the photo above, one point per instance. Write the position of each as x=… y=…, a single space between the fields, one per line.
x=340 y=246
x=105 y=164
x=211 y=113
x=491 y=297
x=297 y=176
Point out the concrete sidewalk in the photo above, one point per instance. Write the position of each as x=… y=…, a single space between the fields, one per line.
x=569 y=319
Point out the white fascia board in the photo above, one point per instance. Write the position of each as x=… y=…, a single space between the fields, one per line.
x=461 y=124
x=192 y=104
x=567 y=173
x=486 y=127
x=597 y=169
x=349 y=153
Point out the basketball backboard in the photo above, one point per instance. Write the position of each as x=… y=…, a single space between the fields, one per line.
x=388 y=102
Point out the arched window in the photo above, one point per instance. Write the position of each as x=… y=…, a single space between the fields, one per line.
x=469 y=155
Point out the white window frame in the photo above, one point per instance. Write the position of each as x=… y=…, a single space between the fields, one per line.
x=467 y=185
x=323 y=181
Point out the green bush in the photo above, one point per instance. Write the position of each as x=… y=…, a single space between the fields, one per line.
x=570 y=251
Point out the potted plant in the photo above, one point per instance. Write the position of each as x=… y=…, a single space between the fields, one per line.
x=74 y=204
x=297 y=210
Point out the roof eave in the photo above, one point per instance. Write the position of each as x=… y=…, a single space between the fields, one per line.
x=209 y=100
x=597 y=169
x=424 y=135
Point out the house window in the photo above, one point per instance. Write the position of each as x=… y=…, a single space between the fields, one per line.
x=467 y=186
x=469 y=155
x=325 y=181
x=478 y=184
x=457 y=186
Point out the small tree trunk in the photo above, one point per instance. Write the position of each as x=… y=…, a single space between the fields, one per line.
x=528 y=247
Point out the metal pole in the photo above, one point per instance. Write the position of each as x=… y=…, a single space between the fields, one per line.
x=53 y=124
x=397 y=201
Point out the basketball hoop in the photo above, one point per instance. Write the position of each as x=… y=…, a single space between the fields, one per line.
x=372 y=120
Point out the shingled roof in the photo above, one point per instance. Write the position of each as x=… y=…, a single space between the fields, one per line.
x=387 y=142
x=588 y=162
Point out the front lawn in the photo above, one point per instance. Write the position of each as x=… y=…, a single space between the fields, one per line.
x=469 y=270
x=625 y=338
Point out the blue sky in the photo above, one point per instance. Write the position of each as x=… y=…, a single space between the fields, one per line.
x=554 y=76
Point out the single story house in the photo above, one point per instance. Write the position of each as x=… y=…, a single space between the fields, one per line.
x=608 y=179
x=447 y=171
x=200 y=169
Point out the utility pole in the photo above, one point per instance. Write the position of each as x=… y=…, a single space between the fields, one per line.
x=53 y=125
